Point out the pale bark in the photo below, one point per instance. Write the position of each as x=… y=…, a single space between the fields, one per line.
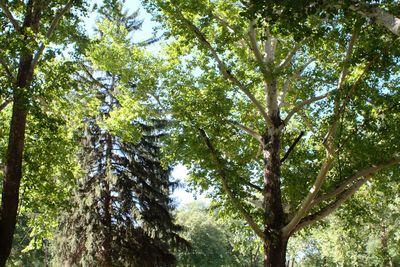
x=379 y=16
x=248 y=130
x=302 y=104
x=367 y=171
x=327 y=210
x=288 y=229
x=343 y=192
x=294 y=76
x=56 y=20
x=222 y=67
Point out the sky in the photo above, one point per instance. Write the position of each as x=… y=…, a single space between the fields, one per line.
x=180 y=195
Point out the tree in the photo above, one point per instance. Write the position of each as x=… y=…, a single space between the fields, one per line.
x=209 y=241
x=216 y=241
x=122 y=211
x=245 y=92
x=25 y=43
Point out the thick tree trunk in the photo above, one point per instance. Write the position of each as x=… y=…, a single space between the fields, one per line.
x=12 y=177
x=275 y=252
x=13 y=167
x=275 y=245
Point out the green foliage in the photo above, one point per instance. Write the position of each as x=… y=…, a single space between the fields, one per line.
x=121 y=214
x=216 y=82
x=214 y=242
x=368 y=239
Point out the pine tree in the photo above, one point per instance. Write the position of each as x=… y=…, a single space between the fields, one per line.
x=122 y=210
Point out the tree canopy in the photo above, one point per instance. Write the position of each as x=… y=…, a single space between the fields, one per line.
x=284 y=112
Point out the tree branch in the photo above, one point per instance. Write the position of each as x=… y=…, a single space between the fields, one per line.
x=256 y=50
x=9 y=15
x=305 y=205
x=222 y=174
x=328 y=140
x=295 y=75
x=290 y=55
x=308 y=122
x=258 y=188
x=5 y=103
x=292 y=146
x=223 y=69
x=378 y=15
x=327 y=210
x=251 y=132
x=50 y=31
x=7 y=69
x=223 y=22
x=367 y=171
x=300 y=106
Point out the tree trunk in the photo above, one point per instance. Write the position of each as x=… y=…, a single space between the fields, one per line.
x=107 y=249
x=275 y=245
x=12 y=177
x=13 y=167
x=275 y=252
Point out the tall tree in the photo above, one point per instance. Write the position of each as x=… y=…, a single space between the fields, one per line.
x=248 y=92
x=123 y=201
x=25 y=42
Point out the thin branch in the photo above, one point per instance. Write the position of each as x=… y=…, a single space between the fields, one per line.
x=50 y=31
x=367 y=171
x=340 y=109
x=7 y=69
x=324 y=212
x=223 y=69
x=328 y=140
x=258 y=188
x=290 y=55
x=308 y=122
x=222 y=174
x=292 y=146
x=9 y=15
x=305 y=205
x=5 y=103
x=251 y=132
x=300 y=106
x=256 y=50
x=295 y=75
x=223 y=22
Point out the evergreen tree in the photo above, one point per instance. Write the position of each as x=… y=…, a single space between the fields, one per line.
x=122 y=212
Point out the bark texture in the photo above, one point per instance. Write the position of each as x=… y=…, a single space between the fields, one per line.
x=275 y=244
